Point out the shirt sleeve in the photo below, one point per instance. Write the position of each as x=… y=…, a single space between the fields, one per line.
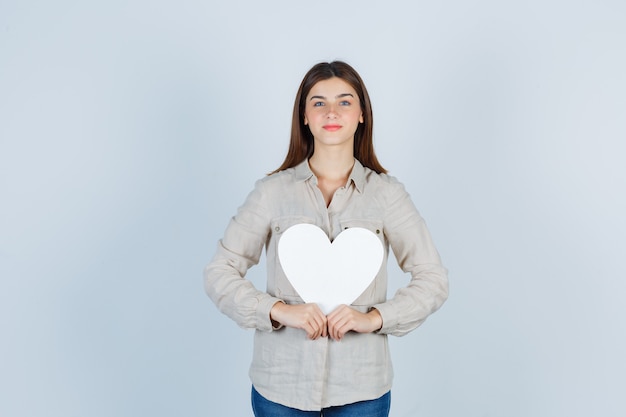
x=416 y=254
x=237 y=251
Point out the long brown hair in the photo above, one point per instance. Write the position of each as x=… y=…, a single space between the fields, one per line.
x=301 y=144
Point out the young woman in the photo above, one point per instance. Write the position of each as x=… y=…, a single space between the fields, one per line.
x=304 y=362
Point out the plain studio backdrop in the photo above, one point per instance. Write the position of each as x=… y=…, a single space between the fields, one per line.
x=130 y=132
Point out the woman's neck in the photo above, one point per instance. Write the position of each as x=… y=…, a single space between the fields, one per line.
x=332 y=166
x=332 y=172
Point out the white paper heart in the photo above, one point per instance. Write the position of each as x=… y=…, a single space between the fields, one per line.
x=325 y=273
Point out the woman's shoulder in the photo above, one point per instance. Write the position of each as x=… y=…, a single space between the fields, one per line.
x=390 y=192
x=278 y=179
x=382 y=180
x=387 y=188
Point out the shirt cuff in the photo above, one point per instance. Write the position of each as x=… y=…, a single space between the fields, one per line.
x=264 y=323
x=389 y=316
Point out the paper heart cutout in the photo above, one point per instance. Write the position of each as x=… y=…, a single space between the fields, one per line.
x=325 y=273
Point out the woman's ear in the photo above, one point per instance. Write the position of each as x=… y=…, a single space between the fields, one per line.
x=306 y=122
x=361 y=118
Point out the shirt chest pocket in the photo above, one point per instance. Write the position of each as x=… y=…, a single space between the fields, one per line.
x=373 y=225
x=278 y=283
x=377 y=290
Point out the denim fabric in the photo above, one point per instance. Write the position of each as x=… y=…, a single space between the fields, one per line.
x=379 y=407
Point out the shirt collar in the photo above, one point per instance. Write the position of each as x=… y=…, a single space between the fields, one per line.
x=357 y=175
x=303 y=171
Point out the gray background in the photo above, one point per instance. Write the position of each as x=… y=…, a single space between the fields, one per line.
x=130 y=131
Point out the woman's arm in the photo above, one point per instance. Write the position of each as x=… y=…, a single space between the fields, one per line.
x=237 y=251
x=416 y=254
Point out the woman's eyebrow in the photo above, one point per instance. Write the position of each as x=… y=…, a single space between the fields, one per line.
x=339 y=96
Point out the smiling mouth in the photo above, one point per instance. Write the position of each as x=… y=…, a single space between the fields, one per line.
x=332 y=128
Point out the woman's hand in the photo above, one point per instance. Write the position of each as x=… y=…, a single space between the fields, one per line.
x=344 y=319
x=307 y=317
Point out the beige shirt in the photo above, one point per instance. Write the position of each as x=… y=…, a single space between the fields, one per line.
x=287 y=367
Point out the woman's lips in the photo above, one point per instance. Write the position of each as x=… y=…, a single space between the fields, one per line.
x=332 y=128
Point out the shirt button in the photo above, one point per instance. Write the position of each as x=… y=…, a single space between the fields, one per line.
x=277 y=229
x=377 y=231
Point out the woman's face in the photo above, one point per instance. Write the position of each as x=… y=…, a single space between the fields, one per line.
x=333 y=112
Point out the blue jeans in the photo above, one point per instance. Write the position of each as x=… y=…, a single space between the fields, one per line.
x=379 y=407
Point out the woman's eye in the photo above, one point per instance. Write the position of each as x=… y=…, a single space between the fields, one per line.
x=345 y=103
x=318 y=104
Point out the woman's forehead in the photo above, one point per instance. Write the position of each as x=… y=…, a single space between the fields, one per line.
x=331 y=88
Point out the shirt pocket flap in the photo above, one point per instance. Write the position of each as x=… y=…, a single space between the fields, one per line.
x=280 y=224
x=373 y=225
